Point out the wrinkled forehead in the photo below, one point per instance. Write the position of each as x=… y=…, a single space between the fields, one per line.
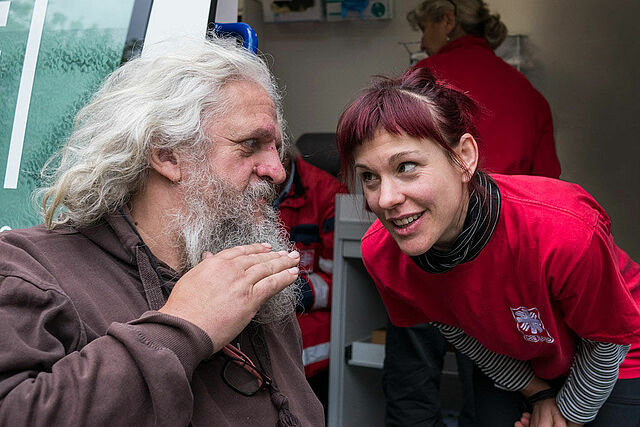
x=248 y=92
x=250 y=98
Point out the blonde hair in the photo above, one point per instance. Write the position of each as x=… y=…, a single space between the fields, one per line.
x=161 y=100
x=472 y=15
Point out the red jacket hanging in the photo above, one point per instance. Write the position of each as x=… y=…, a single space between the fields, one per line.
x=308 y=212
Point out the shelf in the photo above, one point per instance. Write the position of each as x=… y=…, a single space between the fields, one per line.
x=366 y=354
x=370 y=355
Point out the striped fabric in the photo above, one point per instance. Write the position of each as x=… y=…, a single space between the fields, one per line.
x=506 y=372
x=593 y=373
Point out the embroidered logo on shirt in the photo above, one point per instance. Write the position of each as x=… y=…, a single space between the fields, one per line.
x=529 y=323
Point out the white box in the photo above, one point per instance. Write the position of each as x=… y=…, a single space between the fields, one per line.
x=366 y=354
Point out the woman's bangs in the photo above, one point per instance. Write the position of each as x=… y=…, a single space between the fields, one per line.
x=404 y=113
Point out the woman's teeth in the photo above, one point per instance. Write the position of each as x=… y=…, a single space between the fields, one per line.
x=406 y=221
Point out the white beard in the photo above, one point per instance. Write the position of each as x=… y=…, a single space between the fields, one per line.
x=217 y=217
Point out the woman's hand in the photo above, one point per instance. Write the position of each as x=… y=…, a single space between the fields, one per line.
x=545 y=414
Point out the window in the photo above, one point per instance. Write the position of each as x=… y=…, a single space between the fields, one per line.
x=53 y=56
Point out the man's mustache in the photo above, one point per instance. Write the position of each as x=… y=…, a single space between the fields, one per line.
x=262 y=190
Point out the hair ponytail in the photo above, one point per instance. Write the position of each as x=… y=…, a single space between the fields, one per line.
x=495 y=31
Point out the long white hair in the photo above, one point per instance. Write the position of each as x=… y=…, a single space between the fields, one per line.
x=161 y=100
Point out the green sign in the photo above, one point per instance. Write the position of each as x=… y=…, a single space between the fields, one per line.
x=53 y=56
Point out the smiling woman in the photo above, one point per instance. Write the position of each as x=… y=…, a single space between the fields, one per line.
x=403 y=175
x=485 y=256
x=419 y=195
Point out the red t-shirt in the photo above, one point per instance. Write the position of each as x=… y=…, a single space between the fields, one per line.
x=549 y=274
x=516 y=130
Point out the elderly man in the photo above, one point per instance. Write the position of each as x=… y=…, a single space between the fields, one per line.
x=158 y=290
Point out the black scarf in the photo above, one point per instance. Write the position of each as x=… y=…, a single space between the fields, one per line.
x=481 y=220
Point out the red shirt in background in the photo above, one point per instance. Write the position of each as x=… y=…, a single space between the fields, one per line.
x=516 y=129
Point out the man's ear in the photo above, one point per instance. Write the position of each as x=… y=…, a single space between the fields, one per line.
x=467 y=149
x=167 y=163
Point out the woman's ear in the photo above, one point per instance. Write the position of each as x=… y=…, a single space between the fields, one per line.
x=467 y=149
x=167 y=163
x=449 y=21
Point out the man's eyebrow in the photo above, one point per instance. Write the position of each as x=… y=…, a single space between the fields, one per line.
x=259 y=133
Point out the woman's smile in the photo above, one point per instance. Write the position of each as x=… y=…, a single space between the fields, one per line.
x=404 y=222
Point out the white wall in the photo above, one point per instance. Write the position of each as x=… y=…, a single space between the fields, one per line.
x=586 y=56
x=323 y=64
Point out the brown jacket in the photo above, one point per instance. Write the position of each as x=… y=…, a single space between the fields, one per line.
x=82 y=344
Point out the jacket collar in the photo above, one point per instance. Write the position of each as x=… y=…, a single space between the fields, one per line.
x=117 y=235
x=464 y=41
x=293 y=195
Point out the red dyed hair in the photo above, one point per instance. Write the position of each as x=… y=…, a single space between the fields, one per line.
x=415 y=104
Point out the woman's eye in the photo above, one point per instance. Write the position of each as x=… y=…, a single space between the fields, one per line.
x=366 y=177
x=406 y=167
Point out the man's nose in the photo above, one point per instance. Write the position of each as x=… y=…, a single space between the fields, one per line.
x=270 y=167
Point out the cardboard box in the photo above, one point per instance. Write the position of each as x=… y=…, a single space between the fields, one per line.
x=379 y=336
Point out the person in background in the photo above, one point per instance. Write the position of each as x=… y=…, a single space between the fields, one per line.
x=516 y=126
x=515 y=132
x=306 y=206
x=159 y=291
x=520 y=273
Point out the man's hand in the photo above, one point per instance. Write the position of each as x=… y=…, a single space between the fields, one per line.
x=224 y=292
x=545 y=414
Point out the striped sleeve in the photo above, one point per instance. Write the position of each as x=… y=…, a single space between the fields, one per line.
x=593 y=374
x=506 y=372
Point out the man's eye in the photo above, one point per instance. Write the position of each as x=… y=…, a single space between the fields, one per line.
x=251 y=144
x=406 y=167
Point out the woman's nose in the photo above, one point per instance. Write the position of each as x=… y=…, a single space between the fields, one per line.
x=390 y=195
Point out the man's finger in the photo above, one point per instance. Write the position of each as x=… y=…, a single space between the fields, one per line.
x=237 y=251
x=274 y=283
x=262 y=270
x=247 y=261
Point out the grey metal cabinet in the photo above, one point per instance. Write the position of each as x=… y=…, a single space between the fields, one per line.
x=355 y=386
x=355 y=392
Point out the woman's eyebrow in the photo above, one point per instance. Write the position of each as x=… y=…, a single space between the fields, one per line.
x=398 y=156
x=392 y=159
